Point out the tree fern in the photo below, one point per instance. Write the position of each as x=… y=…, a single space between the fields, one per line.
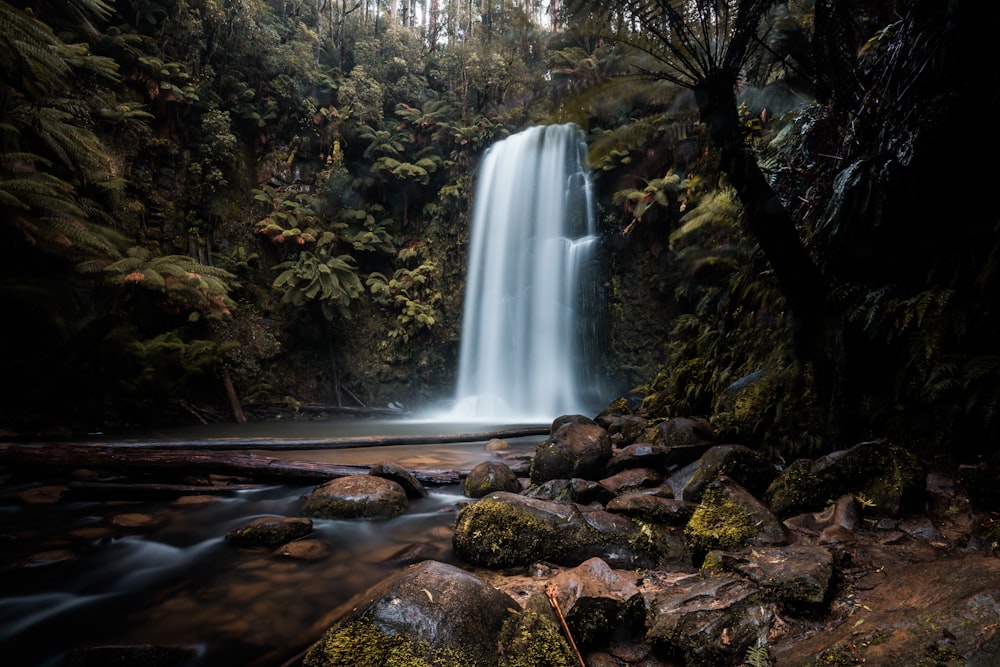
x=187 y=284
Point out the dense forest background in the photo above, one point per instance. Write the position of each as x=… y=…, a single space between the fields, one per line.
x=213 y=209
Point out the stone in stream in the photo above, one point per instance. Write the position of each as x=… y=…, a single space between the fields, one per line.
x=269 y=531
x=356 y=497
x=397 y=473
x=490 y=476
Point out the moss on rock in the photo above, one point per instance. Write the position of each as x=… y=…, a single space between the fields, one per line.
x=363 y=643
x=719 y=522
x=530 y=640
x=504 y=534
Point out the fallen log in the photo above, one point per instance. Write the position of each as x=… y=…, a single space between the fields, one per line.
x=334 y=442
x=193 y=460
x=79 y=490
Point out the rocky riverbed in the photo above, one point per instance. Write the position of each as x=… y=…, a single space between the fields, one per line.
x=621 y=542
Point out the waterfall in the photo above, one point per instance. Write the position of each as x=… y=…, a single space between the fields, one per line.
x=528 y=338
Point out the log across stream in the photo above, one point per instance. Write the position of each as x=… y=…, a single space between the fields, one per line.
x=238 y=456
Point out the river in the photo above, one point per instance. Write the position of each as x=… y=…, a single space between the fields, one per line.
x=178 y=582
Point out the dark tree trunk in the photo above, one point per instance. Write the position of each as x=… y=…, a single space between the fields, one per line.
x=816 y=327
x=798 y=276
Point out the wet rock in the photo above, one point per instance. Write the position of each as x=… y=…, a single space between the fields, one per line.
x=434 y=613
x=490 y=476
x=41 y=495
x=631 y=479
x=269 y=531
x=651 y=507
x=195 y=501
x=600 y=605
x=709 y=621
x=356 y=497
x=139 y=520
x=574 y=449
x=397 y=473
x=845 y=513
x=890 y=478
x=50 y=557
x=304 y=550
x=576 y=490
x=729 y=518
x=508 y=530
x=497 y=445
x=797 y=577
x=639 y=455
x=748 y=467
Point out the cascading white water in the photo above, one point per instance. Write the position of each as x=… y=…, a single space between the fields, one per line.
x=527 y=329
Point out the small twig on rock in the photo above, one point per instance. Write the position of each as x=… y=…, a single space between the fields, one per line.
x=553 y=591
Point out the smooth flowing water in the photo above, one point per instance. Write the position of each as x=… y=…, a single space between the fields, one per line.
x=73 y=573
x=528 y=339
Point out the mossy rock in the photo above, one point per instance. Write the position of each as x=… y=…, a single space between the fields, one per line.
x=495 y=532
x=437 y=615
x=363 y=643
x=719 y=522
x=510 y=530
x=892 y=480
x=529 y=640
x=796 y=490
x=489 y=476
x=269 y=531
x=748 y=467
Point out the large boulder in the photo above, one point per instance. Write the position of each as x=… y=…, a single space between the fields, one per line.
x=433 y=613
x=509 y=530
x=890 y=479
x=574 y=449
x=356 y=497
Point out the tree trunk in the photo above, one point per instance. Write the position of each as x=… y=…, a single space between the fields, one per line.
x=234 y=400
x=816 y=327
x=801 y=282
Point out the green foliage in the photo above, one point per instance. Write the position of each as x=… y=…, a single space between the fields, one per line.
x=757 y=656
x=320 y=278
x=411 y=292
x=188 y=285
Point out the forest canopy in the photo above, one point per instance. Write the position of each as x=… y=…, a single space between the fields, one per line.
x=211 y=207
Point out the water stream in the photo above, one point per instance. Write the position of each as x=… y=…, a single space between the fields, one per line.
x=180 y=583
